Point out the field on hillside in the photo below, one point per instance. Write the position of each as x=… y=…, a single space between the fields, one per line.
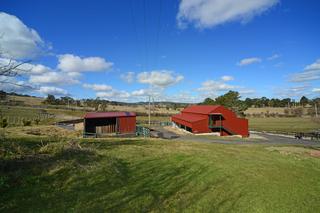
x=284 y=124
x=52 y=174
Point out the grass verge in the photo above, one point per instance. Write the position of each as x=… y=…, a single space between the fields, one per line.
x=134 y=175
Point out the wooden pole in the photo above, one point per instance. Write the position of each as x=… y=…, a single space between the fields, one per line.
x=149 y=113
x=315 y=109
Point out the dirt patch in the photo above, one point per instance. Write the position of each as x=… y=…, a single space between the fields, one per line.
x=176 y=130
x=41 y=131
x=296 y=151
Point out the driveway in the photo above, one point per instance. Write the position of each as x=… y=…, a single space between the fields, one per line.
x=263 y=138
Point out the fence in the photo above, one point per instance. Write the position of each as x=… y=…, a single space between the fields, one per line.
x=155 y=123
x=19 y=120
x=142 y=131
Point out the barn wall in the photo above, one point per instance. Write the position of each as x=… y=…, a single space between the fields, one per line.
x=201 y=126
x=127 y=124
x=237 y=125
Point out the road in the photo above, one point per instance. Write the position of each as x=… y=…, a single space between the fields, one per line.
x=266 y=138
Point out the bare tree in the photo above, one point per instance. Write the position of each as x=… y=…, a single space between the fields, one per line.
x=10 y=69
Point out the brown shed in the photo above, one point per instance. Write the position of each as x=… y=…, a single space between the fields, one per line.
x=109 y=122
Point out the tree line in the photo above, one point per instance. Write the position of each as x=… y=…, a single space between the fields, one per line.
x=232 y=100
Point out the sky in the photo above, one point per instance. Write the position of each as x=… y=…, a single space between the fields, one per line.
x=171 y=50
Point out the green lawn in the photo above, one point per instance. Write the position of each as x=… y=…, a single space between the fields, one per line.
x=284 y=124
x=137 y=175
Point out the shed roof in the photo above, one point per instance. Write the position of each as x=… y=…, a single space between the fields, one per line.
x=189 y=118
x=108 y=114
x=201 y=109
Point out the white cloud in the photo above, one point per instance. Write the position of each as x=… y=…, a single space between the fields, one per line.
x=11 y=84
x=53 y=78
x=140 y=92
x=154 y=92
x=247 y=61
x=273 y=57
x=52 y=91
x=293 y=92
x=24 y=68
x=227 y=78
x=128 y=77
x=316 y=90
x=310 y=73
x=209 y=13
x=98 y=87
x=215 y=86
x=159 y=78
x=114 y=95
x=73 y=63
x=17 y=40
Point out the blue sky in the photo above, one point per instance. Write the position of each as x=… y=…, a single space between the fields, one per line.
x=173 y=50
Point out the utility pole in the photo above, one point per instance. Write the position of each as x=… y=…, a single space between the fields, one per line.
x=149 y=112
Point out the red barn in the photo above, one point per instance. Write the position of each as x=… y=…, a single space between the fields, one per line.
x=109 y=122
x=209 y=118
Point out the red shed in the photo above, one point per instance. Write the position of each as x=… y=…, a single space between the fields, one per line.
x=109 y=122
x=210 y=118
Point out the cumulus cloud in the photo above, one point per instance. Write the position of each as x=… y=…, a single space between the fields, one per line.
x=52 y=91
x=11 y=84
x=227 y=78
x=316 y=90
x=17 y=40
x=114 y=95
x=128 y=77
x=273 y=57
x=215 y=86
x=98 y=87
x=310 y=73
x=73 y=63
x=161 y=78
x=210 y=13
x=24 y=68
x=293 y=92
x=53 y=78
x=247 y=61
x=154 y=92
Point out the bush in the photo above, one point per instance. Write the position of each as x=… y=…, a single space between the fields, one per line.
x=3 y=123
x=36 y=121
x=298 y=112
x=26 y=122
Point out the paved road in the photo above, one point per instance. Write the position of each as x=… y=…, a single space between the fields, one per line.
x=268 y=139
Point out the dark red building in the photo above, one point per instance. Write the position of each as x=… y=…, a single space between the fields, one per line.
x=109 y=122
x=209 y=118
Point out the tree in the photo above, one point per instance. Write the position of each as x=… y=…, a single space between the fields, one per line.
x=208 y=101
x=304 y=101
x=3 y=95
x=232 y=100
x=50 y=99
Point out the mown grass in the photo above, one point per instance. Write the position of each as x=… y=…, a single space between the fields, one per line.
x=137 y=175
x=284 y=124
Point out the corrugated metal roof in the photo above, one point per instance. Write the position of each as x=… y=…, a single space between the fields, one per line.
x=188 y=117
x=201 y=109
x=108 y=114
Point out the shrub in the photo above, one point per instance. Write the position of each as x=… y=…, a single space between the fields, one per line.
x=26 y=122
x=3 y=123
x=36 y=121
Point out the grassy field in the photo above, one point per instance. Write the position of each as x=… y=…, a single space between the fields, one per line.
x=40 y=174
x=284 y=124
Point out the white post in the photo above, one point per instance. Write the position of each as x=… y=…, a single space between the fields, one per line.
x=315 y=109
